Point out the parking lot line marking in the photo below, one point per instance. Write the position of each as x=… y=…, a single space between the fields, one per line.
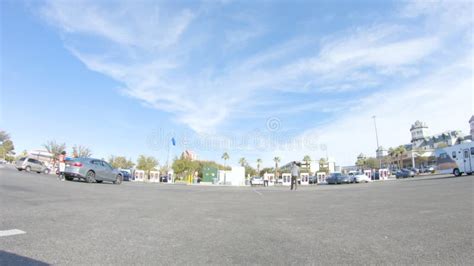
x=257 y=192
x=11 y=232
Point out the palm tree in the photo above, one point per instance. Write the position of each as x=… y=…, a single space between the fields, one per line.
x=225 y=156
x=259 y=161
x=277 y=161
x=242 y=162
x=391 y=155
x=399 y=152
x=307 y=160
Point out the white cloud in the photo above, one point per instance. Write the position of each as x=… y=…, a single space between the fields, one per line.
x=150 y=50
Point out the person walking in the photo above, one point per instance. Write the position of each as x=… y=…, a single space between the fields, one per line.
x=62 y=165
x=265 y=180
x=295 y=172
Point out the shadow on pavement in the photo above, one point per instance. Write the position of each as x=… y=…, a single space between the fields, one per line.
x=436 y=178
x=7 y=258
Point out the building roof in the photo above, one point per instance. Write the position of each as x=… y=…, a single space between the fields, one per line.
x=418 y=124
x=442 y=137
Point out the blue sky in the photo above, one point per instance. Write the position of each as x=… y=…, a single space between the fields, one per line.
x=246 y=77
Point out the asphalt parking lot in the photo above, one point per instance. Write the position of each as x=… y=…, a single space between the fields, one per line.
x=425 y=220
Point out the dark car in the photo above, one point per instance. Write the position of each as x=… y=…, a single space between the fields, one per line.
x=313 y=179
x=338 y=178
x=126 y=175
x=164 y=178
x=404 y=173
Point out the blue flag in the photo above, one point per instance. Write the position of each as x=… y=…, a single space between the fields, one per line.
x=173 y=141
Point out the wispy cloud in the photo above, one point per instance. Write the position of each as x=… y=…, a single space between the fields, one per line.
x=166 y=58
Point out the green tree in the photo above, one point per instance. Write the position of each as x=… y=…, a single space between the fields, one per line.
x=147 y=163
x=361 y=161
x=184 y=166
x=226 y=157
x=372 y=163
x=242 y=162
x=6 y=145
x=277 y=160
x=121 y=162
x=54 y=148
x=307 y=160
x=81 y=151
x=250 y=171
x=400 y=151
x=323 y=165
x=259 y=162
x=266 y=170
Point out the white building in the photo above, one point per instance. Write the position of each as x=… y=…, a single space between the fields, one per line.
x=424 y=143
x=234 y=177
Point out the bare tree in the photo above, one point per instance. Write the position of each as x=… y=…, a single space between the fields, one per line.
x=81 y=151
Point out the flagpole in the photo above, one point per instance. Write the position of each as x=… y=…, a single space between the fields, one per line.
x=168 y=159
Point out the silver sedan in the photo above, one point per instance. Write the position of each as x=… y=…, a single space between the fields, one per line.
x=92 y=170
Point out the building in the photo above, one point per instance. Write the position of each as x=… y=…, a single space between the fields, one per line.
x=421 y=149
x=421 y=140
x=190 y=155
x=234 y=177
x=471 y=124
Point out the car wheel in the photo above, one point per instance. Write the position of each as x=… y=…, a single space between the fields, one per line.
x=28 y=169
x=68 y=178
x=90 y=177
x=118 y=179
x=456 y=172
x=46 y=171
x=98 y=181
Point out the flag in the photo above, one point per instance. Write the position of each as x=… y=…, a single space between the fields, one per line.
x=173 y=141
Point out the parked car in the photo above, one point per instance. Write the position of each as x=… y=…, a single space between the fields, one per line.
x=30 y=164
x=361 y=178
x=164 y=178
x=126 y=175
x=404 y=173
x=313 y=179
x=256 y=180
x=92 y=170
x=415 y=170
x=338 y=178
x=428 y=169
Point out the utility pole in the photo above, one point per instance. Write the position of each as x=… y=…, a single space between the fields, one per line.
x=377 y=139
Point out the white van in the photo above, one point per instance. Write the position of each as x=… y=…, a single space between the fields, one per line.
x=456 y=160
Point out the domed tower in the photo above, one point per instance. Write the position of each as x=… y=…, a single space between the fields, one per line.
x=419 y=130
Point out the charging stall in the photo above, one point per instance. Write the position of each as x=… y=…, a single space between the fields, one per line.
x=368 y=173
x=384 y=174
x=154 y=176
x=286 y=179
x=321 y=177
x=139 y=175
x=304 y=179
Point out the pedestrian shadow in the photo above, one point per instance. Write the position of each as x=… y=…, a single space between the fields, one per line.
x=7 y=258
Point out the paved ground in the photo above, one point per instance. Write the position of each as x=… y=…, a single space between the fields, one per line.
x=417 y=221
